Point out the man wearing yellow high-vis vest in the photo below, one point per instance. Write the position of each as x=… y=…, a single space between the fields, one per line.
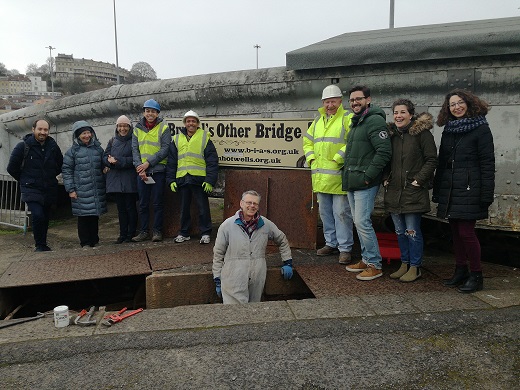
x=150 y=142
x=323 y=145
x=193 y=171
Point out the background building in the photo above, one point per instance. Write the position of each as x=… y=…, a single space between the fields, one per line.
x=68 y=68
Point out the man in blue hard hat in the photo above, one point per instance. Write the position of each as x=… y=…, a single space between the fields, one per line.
x=150 y=142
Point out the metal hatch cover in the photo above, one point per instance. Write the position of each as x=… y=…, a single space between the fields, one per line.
x=70 y=269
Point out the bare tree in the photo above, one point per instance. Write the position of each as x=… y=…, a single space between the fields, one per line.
x=142 y=71
x=13 y=72
x=32 y=70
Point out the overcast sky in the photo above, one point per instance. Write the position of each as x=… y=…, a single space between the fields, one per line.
x=182 y=38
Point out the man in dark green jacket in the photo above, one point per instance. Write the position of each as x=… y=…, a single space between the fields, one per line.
x=368 y=151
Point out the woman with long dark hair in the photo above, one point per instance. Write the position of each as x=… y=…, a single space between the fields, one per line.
x=465 y=181
x=407 y=183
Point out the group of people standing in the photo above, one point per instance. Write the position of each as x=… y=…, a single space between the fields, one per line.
x=135 y=168
x=352 y=154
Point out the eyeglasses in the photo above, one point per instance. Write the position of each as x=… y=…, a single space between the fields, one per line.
x=251 y=203
x=460 y=103
x=357 y=100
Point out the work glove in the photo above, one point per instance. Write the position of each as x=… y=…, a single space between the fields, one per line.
x=207 y=187
x=287 y=271
x=218 y=287
x=173 y=187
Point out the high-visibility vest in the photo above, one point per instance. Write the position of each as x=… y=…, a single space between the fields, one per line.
x=325 y=143
x=191 y=153
x=150 y=141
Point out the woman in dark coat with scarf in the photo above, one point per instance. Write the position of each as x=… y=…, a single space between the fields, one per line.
x=465 y=181
x=121 y=178
x=84 y=180
x=407 y=182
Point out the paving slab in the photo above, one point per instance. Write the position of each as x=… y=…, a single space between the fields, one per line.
x=350 y=306
x=202 y=316
x=500 y=298
x=445 y=301
x=389 y=304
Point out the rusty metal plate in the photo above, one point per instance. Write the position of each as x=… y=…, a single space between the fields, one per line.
x=185 y=254
x=69 y=269
x=287 y=200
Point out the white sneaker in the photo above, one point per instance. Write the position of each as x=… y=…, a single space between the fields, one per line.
x=181 y=238
x=205 y=239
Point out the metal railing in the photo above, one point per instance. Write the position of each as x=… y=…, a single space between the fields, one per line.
x=13 y=212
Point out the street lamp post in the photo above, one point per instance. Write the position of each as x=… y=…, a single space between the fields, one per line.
x=257 y=46
x=50 y=67
x=115 y=35
x=392 y=11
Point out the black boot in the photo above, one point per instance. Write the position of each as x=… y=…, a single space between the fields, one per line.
x=474 y=283
x=460 y=276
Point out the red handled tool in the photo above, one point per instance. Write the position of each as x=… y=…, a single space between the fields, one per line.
x=119 y=316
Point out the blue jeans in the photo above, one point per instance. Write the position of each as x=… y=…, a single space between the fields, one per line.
x=337 y=221
x=409 y=237
x=154 y=193
x=362 y=204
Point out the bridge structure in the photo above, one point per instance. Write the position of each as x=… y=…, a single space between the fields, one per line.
x=420 y=63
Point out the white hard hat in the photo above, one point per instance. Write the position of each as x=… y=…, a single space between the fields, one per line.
x=192 y=114
x=331 y=91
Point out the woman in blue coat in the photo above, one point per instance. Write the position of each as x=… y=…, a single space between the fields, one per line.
x=85 y=182
x=122 y=178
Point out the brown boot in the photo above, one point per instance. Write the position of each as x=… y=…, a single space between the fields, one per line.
x=413 y=273
x=326 y=251
x=345 y=258
x=400 y=272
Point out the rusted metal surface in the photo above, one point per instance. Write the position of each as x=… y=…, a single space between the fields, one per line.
x=287 y=200
x=68 y=269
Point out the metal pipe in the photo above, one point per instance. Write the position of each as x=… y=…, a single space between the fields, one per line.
x=115 y=35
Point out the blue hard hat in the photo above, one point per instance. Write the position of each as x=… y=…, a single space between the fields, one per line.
x=150 y=103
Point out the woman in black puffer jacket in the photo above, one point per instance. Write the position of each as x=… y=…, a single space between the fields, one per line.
x=464 y=182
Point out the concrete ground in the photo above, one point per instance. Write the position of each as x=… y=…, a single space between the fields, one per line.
x=354 y=335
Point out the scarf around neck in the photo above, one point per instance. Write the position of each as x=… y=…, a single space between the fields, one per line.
x=465 y=125
x=249 y=226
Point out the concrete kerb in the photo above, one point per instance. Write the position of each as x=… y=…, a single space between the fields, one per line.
x=208 y=316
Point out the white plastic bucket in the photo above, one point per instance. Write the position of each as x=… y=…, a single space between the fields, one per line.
x=61 y=316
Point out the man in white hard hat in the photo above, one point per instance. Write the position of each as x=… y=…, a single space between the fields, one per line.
x=322 y=145
x=193 y=171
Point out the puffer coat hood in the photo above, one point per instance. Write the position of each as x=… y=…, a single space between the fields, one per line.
x=414 y=158
x=83 y=174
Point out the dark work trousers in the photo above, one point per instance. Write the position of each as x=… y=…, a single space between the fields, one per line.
x=151 y=193
x=466 y=244
x=186 y=192
x=88 y=227
x=127 y=213
x=40 y=222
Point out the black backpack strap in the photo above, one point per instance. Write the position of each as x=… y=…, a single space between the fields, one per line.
x=26 y=148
